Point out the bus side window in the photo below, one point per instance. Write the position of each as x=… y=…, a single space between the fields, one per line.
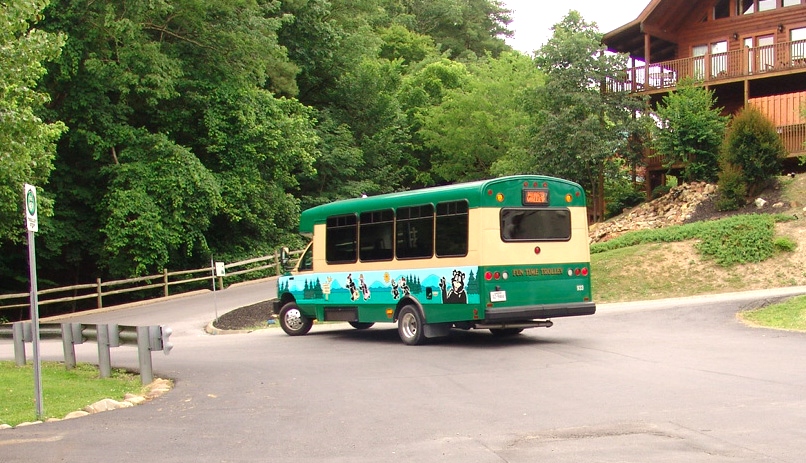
x=341 y=243
x=415 y=232
x=375 y=235
x=306 y=261
x=452 y=229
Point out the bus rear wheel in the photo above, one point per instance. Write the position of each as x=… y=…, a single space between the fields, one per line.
x=361 y=325
x=410 y=326
x=293 y=322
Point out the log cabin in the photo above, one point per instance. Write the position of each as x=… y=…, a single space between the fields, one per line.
x=748 y=52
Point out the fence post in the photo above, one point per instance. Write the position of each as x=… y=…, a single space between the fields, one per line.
x=144 y=355
x=19 y=343
x=100 y=302
x=69 y=346
x=104 y=357
x=277 y=262
x=165 y=280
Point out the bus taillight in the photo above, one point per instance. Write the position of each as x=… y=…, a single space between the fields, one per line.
x=537 y=249
x=488 y=276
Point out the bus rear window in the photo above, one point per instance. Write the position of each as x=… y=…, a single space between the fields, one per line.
x=535 y=224
x=341 y=239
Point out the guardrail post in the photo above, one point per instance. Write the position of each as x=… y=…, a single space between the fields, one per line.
x=69 y=346
x=165 y=281
x=144 y=355
x=100 y=302
x=104 y=357
x=19 y=343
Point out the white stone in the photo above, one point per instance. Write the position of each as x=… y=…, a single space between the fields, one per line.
x=759 y=202
x=5 y=426
x=135 y=399
x=778 y=205
x=76 y=414
x=106 y=405
x=28 y=423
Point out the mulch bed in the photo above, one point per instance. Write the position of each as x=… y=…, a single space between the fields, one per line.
x=248 y=317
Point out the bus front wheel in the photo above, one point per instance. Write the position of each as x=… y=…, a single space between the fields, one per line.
x=410 y=326
x=293 y=322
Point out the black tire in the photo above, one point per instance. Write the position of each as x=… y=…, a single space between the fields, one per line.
x=410 y=326
x=293 y=322
x=503 y=332
x=361 y=325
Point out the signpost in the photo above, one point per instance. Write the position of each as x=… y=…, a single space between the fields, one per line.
x=32 y=224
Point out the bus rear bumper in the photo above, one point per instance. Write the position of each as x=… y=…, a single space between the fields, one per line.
x=532 y=312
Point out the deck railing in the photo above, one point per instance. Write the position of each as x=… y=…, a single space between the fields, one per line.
x=714 y=67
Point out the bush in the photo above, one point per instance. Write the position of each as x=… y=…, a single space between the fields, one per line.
x=732 y=189
x=753 y=144
x=735 y=240
x=784 y=244
x=622 y=196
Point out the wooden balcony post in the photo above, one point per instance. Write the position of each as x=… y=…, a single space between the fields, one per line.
x=647 y=58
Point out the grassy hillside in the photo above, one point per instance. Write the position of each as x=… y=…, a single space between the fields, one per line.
x=690 y=259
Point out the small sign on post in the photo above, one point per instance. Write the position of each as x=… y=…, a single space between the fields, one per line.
x=32 y=224
x=31 y=213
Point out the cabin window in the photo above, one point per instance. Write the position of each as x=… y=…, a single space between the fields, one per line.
x=375 y=235
x=722 y=9
x=766 y=5
x=415 y=232
x=699 y=52
x=341 y=239
x=719 y=58
x=798 y=38
x=452 y=225
x=791 y=2
x=745 y=7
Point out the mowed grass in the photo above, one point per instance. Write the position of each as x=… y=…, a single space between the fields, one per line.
x=788 y=315
x=64 y=391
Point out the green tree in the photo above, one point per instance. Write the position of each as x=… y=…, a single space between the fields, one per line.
x=463 y=28
x=27 y=139
x=473 y=126
x=577 y=130
x=193 y=80
x=753 y=145
x=691 y=131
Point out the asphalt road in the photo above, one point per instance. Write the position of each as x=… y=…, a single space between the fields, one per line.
x=664 y=381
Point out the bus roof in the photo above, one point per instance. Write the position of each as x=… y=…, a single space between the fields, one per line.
x=473 y=192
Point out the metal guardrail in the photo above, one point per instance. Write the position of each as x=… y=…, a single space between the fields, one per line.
x=147 y=338
x=166 y=280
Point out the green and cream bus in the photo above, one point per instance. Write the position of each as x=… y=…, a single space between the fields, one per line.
x=502 y=254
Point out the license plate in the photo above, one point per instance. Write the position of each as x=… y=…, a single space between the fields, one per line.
x=498 y=296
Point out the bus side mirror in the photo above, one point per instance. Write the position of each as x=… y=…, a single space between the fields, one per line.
x=284 y=258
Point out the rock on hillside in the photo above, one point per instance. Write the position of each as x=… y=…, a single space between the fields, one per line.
x=673 y=208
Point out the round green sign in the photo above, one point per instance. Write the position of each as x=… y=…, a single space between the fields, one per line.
x=30 y=200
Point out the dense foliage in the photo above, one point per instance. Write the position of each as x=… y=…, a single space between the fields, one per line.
x=690 y=132
x=739 y=239
x=26 y=138
x=192 y=128
x=753 y=146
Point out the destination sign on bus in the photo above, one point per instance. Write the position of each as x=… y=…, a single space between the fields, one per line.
x=535 y=197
